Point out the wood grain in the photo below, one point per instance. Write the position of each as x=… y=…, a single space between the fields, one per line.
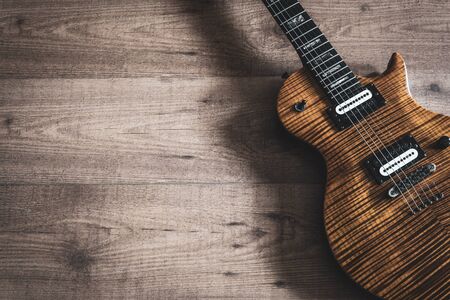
x=382 y=243
x=137 y=131
x=74 y=39
x=167 y=241
x=141 y=154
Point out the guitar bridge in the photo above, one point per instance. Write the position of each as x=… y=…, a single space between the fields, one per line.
x=411 y=180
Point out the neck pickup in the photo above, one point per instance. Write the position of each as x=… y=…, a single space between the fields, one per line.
x=350 y=101
x=349 y=110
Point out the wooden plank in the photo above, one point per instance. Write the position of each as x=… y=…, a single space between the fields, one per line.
x=156 y=130
x=146 y=131
x=74 y=39
x=141 y=155
x=167 y=241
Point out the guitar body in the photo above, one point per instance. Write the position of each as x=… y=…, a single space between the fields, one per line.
x=378 y=241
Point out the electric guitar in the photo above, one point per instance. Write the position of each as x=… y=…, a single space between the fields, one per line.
x=386 y=208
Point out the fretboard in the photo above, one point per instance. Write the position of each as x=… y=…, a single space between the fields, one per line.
x=315 y=51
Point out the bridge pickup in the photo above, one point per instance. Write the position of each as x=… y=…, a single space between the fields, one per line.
x=411 y=180
x=390 y=160
x=349 y=112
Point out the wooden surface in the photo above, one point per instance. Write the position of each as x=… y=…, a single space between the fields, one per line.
x=141 y=155
x=396 y=248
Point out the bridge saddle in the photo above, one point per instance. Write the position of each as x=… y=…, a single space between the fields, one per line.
x=411 y=180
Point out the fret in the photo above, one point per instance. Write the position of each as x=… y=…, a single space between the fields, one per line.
x=297 y=28
x=339 y=82
x=316 y=45
x=282 y=11
x=324 y=56
x=344 y=72
x=277 y=4
x=331 y=70
x=310 y=36
x=315 y=51
x=324 y=63
x=286 y=10
x=271 y=3
x=345 y=89
x=336 y=75
x=294 y=21
x=297 y=18
x=343 y=69
x=337 y=85
x=292 y=18
x=307 y=36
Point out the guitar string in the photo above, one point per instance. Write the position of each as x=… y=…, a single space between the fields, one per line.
x=350 y=94
x=298 y=48
x=426 y=160
x=284 y=11
x=377 y=121
x=377 y=128
x=362 y=136
x=358 y=86
x=377 y=125
x=374 y=130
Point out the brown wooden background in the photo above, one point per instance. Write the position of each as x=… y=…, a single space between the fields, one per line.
x=140 y=152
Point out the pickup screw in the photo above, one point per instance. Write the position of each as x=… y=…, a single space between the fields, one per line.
x=300 y=106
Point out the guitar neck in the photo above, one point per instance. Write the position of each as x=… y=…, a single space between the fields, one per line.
x=315 y=51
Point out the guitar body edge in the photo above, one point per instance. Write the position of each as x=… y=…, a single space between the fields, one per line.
x=376 y=240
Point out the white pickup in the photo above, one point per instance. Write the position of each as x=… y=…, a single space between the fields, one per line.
x=399 y=162
x=353 y=102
